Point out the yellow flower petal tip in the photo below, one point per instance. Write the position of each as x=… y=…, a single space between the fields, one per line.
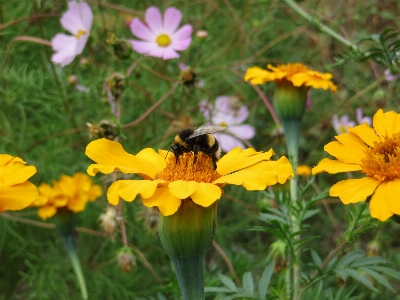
x=376 y=153
x=16 y=192
x=69 y=193
x=296 y=73
x=167 y=181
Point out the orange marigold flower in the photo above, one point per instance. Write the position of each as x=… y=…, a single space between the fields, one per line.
x=15 y=191
x=297 y=73
x=166 y=182
x=70 y=193
x=376 y=153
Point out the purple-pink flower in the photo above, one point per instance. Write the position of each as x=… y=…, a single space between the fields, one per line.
x=341 y=125
x=229 y=112
x=78 y=21
x=161 y=36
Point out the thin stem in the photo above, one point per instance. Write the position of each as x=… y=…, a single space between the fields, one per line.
x=318 y=24
x=267 y=103
x=228 y=262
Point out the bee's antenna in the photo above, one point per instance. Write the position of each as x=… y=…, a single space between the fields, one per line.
x=170 y=147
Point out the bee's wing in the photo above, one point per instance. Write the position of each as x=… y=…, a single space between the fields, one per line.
x=206 y=130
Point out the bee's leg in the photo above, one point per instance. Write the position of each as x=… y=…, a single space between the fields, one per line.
x=195 y=152
x=214 y=159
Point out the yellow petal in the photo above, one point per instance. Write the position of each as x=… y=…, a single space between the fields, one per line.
x=167 y=203
x=145 y=188
x=365 y=133
x=16 y=172
x=46 y=212
x=18 y=196
x=257 y=75
x=393 y=195
x=349 y=149
x=111 y=156
x=303 y=170
x=354 y=190
x=237 y=159
x=334 y=166
x=182 y=189
x=255 y=177
x=112 y=192
x=95 y=192
x=379 y=205
x=386 y=123
x=283 y=167
x=206 y=194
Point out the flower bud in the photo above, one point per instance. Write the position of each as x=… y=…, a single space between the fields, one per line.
x=105 y=129
x=122 y=48
x=187 y=76
x=202 y=34
x=290 y=101
x=126 y=260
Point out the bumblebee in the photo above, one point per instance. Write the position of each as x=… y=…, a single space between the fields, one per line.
x=200 y=139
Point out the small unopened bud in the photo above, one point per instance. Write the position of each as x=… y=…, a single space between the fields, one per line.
x=122 y=48
x=187 y=76
x=84 y=61
x=373 y=248
x=115 y=84
x=126 y=260
x=202 y=34
x=279 y=253
x=73 y=80
x=105 y=129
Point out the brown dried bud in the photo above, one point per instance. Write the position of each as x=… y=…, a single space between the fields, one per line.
x=126 y=260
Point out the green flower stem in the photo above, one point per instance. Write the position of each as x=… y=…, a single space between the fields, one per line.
x=186 y=236
x=291 y=128
x=69 y=243
x=318 y=24
x=65 y=225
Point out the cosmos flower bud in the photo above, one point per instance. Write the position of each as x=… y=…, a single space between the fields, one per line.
x=73 y=80
x=104 y=129
x=187 y=76
x=126 y=260
x=115 y=84
x=202 y=34
x=122 y=48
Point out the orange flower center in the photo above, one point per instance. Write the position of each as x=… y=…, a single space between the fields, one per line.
x=163 y=40
x=382 y=161
x=185 y=169
x=292 y=69
x=80 y=34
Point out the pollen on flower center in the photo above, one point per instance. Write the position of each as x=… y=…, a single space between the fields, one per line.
x=382 y=161
x=163 y=40
x=80 y=33
x=185 y=169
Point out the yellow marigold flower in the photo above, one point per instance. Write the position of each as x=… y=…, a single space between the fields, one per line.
x=166 y=183
x=297 y=73
x=376 y=153
x=303 y=170
x=15 y=191
x=70 y=193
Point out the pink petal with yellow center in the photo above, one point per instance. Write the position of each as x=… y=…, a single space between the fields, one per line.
x=182 y=189
x=141 y=31
x=154 y=19
x=386 y=123
x=349 y=149
x=167 y=203
x=206 y=194
x=111 y=156
x=46 y=212
x=354 y=190
x=237 y=159
x=365 y=133
x=18 y=196
x=334 y=166
x=145 y=188
x=172 y=18
x=183 y=33
x=380 y=204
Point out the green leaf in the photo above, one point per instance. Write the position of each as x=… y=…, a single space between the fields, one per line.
x=378 y=277
x=316 y=259
x=228 y=282
x=210 y=289
x=265 y=279
x=349 y=258
x=360 y=278
x=240 y=295
x=387 y=271
x=248 y=282
x=365 y=261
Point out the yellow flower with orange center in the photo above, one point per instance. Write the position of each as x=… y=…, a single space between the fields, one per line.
x=70 y=193
x=15 y=191
x=166 y=182
x=376 y=153
x=296 y=73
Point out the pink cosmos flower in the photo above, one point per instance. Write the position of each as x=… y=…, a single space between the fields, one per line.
x=360 y=119
x=341 y=125
x=161 y=37
x=78 y=21
x=232 y=114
